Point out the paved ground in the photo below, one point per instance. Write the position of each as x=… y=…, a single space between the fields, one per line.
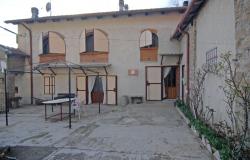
x=152 y=131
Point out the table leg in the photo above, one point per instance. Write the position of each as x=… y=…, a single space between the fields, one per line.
x=61 y=111
x=45 y=107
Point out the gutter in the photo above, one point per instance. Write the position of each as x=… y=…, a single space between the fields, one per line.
x=31 y=63
x=187 y=61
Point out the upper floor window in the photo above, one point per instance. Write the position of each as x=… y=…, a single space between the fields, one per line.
x=148 y=45
x=148 y=39
x=90 y=42
x=51 y=42
x=93 y=40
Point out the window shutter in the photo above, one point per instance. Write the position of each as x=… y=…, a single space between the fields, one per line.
x=56 y=43
x=82 y=42
x=100 y=41
x=146 y=38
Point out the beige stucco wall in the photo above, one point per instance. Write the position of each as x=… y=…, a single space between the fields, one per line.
x=214 y=28
x=124 y=53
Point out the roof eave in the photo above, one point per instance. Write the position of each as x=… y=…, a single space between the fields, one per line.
x=191 y=12
x=99 y=15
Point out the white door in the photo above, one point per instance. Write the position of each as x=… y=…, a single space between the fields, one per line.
x=153 y=83
x=111 y=90
x=81 y=88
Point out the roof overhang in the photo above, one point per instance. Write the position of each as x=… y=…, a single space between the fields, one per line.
x=100 y=15
x=191 y=12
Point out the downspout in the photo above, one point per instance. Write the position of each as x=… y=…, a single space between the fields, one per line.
x=187 y=61
x=31 y=63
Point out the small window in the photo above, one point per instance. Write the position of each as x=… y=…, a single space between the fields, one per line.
x=90 y=42
x=211 y=56
x=46 y=44
x=49 y=84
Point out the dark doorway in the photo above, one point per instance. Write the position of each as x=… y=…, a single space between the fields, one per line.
x=170 y=84
x=97 y=94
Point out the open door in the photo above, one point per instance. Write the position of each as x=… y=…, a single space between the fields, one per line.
x=81 y=88
x=170 y=82
x=153 y=83
x=111 y=85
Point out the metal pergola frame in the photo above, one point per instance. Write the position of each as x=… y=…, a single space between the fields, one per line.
x=51 y=65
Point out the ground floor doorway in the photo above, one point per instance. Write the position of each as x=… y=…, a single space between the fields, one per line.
x=92 y=89
x=162 y=82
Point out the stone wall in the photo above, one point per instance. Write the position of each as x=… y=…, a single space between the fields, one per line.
x=242 y=25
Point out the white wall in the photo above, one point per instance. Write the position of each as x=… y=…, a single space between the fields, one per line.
x=215 y=28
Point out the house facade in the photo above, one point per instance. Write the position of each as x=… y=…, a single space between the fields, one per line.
x=129 y=52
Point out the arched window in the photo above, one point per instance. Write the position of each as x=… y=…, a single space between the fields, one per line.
x=149 y=45
x=94 y=40
x=148 y=39
x=52 y=42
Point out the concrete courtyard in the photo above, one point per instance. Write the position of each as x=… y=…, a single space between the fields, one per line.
x=149 y=131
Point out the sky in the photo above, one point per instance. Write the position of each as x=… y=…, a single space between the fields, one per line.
x=18 y=9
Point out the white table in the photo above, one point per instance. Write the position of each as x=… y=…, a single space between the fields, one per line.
x=55 y=103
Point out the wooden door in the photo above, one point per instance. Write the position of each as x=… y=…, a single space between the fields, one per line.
x=111 y=92
x=81 y=88
x=153 y=83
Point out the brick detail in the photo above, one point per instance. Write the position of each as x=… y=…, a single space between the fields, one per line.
x=94 y=57
x=149 y=54
x=43 y=58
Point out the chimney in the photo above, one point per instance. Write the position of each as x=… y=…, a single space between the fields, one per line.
x=185 y=3
x=126 y=7
x=121 y=5
x=34 y=12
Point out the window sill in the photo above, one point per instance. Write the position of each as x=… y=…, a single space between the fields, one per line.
x=94 y=57
x=149 y=54
x=43 y=58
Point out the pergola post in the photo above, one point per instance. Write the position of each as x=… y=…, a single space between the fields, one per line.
x=5 y=91
x=69 y=98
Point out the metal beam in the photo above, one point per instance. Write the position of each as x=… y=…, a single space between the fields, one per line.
x=52 y=70
x=106 y=70
x=83 y=71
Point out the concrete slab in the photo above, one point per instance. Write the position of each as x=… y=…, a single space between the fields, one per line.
x=152 y=131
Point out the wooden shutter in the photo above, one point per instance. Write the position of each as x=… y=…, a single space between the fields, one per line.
x=82 y=42
x=100 y=41
x=56 y=43
x=146 y=38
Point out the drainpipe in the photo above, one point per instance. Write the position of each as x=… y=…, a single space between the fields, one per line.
x=187 y=61
x=31 y=63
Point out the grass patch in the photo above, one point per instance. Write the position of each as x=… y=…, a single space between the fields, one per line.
x=216 y=141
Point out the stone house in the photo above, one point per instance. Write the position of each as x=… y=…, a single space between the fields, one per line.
x=130 y=50
x=152 y=53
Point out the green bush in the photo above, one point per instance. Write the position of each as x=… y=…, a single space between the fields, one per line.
x=219 y=143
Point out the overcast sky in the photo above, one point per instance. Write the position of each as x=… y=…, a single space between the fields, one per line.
x=17 y=9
